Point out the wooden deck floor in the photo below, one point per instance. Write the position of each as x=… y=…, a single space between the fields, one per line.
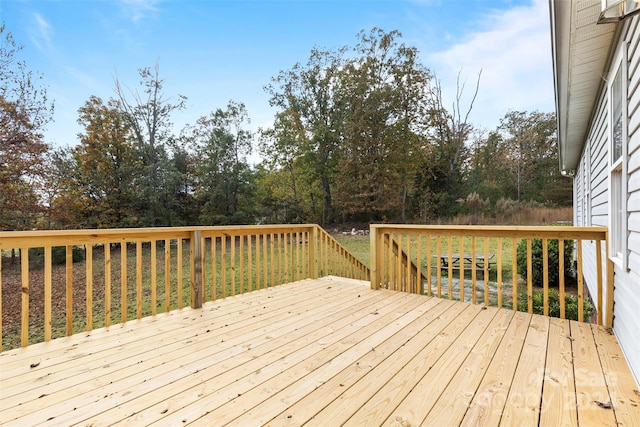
x=325 y=352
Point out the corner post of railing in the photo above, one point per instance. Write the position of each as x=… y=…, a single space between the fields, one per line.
x=195 y=259
x=373 y=253
x=608 y=322
x=313 y=252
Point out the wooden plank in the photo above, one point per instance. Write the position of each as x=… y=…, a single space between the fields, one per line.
x=624 y=392
x=523 y=401
x=454 y=401
x=390 y=394
x=489 y=399
x=591 y=386
x=257 y=370
x=559 y=394
x=62 y=354
x=423 y=396
x=114 y=382
x=297 y=381
x=379 y=366
x=270 y=347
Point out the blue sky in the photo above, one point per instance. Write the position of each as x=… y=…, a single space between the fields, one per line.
x=213 y=51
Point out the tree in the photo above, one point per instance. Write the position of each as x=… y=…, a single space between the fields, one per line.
x=309 y=121
x=440 y=180
x=223 y=176
x=148 y=115
x=24 y=111
x=98 y=174
x=533 y=153
x=385 y=97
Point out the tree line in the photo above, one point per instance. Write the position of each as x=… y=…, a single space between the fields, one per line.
x=361 y=133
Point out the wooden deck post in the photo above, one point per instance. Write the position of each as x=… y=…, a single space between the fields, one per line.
x=195 y=252
x=313 y=252
x=373 y=251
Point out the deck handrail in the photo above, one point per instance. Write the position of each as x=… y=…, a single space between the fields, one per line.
x=132 y=273
x=427 y=245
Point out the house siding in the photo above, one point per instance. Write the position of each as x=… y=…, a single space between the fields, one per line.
x=595 y=156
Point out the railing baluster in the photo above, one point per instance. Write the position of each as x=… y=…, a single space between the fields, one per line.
x=514 y=274
x=580 y=282
x=250 y=261
x=273 y=264
x=154 y=278
x=450 y=266
x=486 y=271
x=179 y=279
x=167 y=275
x=107 y=283
x=69 y=290
x=265 y=270
x=545 y=274
x=139 y=279
x=529 y=276
x=499 y=271
x=429 y=265
x=598 y=279
x=24 y=264
x=195 y=261
x=223 y=265
x=561 y=283
x=89 y=286
x=233 y=265
x=461 y=267
x=439 y=270
x=242 y=255
x=473 y=269
x=123 y=281
x=47 y=293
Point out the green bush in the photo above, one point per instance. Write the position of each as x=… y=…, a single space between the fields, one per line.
x=570 y=304
x=537 y=272
x=58 y=254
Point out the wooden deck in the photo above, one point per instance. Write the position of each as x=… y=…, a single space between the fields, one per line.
x=325 y=352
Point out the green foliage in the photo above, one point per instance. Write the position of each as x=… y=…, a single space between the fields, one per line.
x=58 y=255
x=570 y=304
x=537 y=271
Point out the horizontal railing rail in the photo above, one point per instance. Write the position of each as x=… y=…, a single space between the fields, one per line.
x=474 y=263
x=124 y=274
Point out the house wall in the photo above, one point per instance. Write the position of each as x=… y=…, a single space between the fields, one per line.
x=592 y=195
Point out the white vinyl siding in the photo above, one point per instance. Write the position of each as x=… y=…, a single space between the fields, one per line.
x=597 y=159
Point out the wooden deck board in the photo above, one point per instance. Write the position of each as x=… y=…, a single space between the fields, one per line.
x=324 y=352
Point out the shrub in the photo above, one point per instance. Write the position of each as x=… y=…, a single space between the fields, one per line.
x=537 y=271
x=570 y=304
x=58 y=254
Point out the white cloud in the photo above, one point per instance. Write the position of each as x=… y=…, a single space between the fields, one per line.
x=138 y=9
x=514 y=54
x=41 y=36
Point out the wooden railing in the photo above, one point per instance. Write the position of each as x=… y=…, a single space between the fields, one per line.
x=128 y=274
x=479 y=263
